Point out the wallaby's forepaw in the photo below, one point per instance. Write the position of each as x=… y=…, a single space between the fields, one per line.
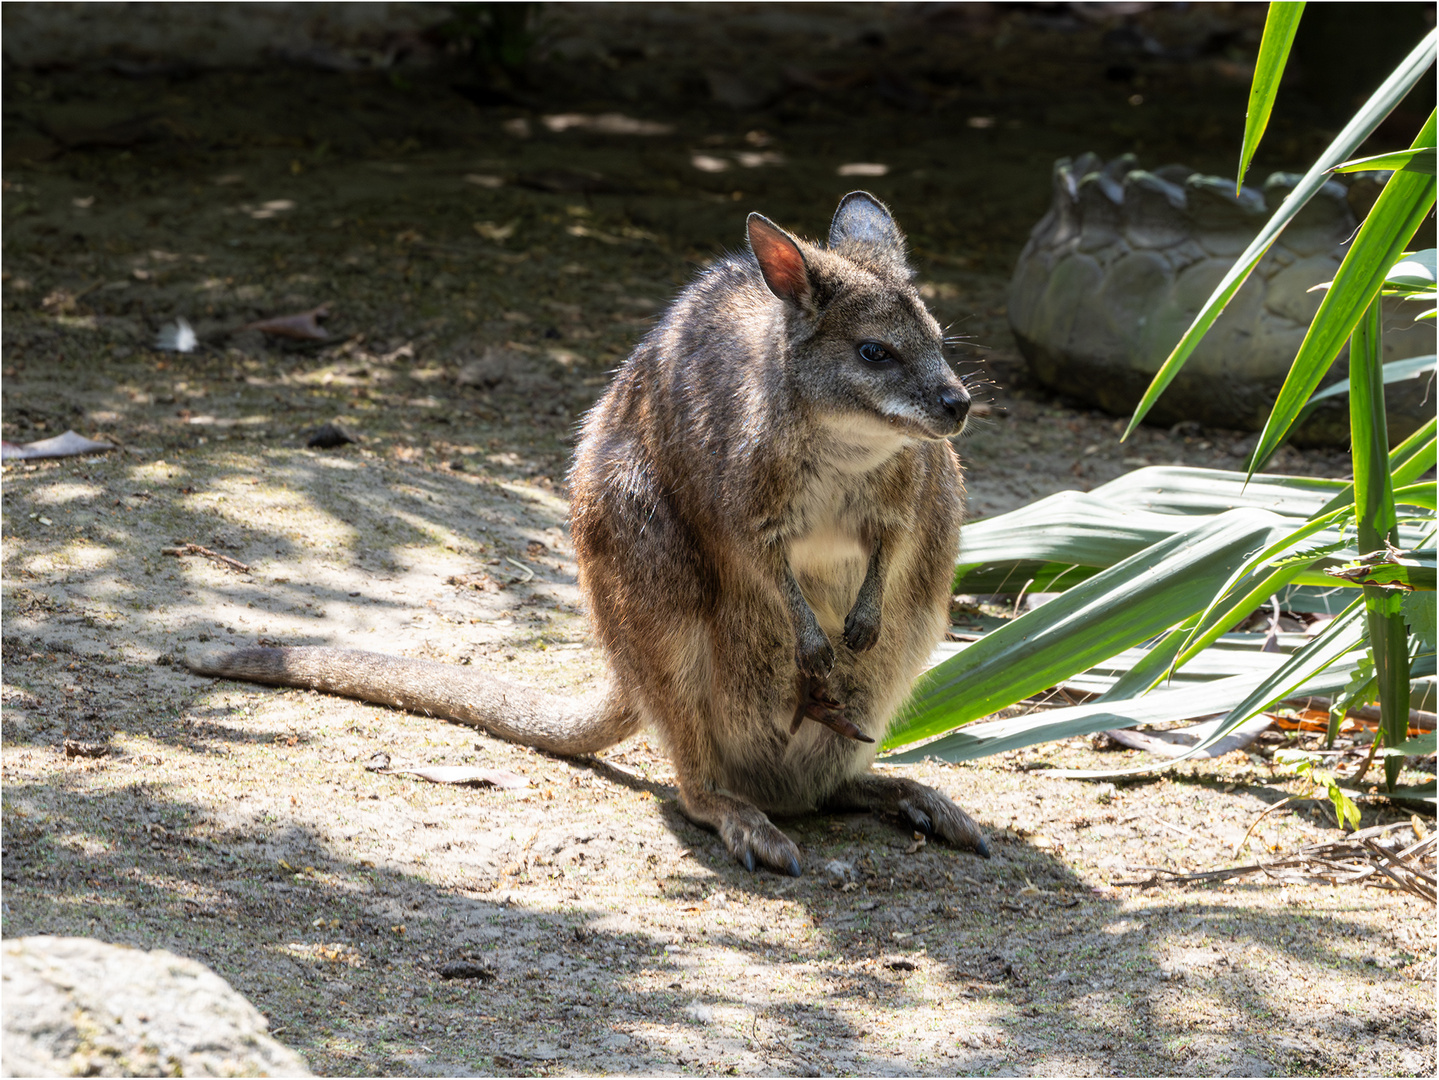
x=813 y=653
x=861 y=629
x=748 y=834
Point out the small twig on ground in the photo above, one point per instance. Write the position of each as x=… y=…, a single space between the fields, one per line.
x=1018 y=600
x=1355 y=859
x=196 y=549
x=1255 y=823
x=523 y=569
x=1180 y=829
x=1373 y=746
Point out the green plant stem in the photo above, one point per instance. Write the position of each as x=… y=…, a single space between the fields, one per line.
x=1377 y=525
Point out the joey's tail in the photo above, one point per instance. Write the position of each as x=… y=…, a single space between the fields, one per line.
x=571 y=726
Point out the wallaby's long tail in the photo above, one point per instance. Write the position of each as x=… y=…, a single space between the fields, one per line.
x=570 y=726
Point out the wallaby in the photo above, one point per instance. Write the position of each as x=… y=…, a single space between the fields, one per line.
x=766 y=517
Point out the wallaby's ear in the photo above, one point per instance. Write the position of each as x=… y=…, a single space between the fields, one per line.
x=780 y=261
x=863 y=222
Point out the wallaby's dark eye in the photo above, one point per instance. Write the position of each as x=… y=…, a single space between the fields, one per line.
x=872 y=352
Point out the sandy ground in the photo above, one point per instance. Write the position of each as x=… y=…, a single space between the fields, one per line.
x=472 y=321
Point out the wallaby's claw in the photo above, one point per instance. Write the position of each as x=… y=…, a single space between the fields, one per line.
x=861 y=630
x=918 y=817
x=815 y=656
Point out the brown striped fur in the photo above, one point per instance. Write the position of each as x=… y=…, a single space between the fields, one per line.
x=766 y=518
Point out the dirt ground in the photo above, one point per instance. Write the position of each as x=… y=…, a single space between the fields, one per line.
x=484 y=269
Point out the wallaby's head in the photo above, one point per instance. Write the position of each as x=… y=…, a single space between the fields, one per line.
x=862 y=346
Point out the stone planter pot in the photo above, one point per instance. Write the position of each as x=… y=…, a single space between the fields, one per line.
x=1115 y=272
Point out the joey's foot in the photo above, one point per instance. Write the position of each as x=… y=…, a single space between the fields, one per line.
x=928 y=810
x=748 y=834
x=861 y=629
x=814 y=654
x=816 y=704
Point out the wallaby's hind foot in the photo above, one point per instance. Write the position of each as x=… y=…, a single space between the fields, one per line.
x=930 y=811
x=748 y=834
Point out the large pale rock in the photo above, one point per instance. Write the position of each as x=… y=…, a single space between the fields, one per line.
x=80 y=1007
x=1117 y=269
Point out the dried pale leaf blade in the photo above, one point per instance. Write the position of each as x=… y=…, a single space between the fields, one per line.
x=302 y=326
x=1172 y=743
x=67 y=445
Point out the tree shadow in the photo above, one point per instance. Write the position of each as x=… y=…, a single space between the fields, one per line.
x=348 y=955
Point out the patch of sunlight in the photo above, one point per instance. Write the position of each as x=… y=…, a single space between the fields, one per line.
x=242 y=505
x=1196 y=1009
x=536 y=496
x=268 y=209
x=84 y=844
x=341 y=464
x=77 y=554
x=98 y=899
x=66 y=491
x=77 y=322
x=180 y=886
x=156 y=471
x=437 y=534
x=611 y=123
x=222 y=422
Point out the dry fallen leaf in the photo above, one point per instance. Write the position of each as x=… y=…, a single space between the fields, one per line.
x=66 y=445
x=463 y=774
x=303 y=326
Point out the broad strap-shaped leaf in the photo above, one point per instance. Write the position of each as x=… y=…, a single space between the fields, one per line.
x=1181 y=489
x=1061 y=540
x=1379 y=105
x=1408 y=461
x=1420 y=161
x=1321 y=667
x=1130 y=602
x=1425 y=495
x=1067 y=527
x=1415 y=269
x=1414 y=367
x=1399 y=211
x=1190 y=702
x=1279 y=27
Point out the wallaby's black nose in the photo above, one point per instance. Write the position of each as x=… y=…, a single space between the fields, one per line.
x=955 y=402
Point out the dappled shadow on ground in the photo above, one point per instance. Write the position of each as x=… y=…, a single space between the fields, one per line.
x=482 y=283
x=596 y=929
